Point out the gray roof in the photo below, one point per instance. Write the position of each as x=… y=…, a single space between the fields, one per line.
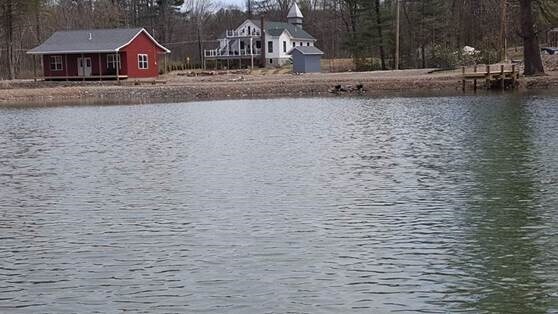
x=277 y=28
x=90 y=41
x=294 y=12
x=307 y=50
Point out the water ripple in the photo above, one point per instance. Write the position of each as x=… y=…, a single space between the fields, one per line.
x=430 y=205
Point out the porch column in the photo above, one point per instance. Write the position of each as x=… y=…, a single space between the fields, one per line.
x=239 y=55
x=34 y=68
x=82 y=64
x=118 y=68
x=100 y=68
x=252 y=52
x=66 y=66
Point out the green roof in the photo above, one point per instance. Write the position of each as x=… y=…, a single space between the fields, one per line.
x=277 y=28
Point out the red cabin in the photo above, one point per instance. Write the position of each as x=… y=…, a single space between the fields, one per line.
x=100 y=54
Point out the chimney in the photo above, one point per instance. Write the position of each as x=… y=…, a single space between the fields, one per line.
x=263 y=46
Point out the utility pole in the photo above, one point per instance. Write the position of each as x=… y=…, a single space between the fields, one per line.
x=503 y=39
x=397 y=23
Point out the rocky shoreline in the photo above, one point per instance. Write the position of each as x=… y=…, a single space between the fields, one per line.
x=178 y=88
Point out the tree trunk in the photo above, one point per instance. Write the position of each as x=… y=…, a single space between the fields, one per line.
x=9 y=18
x=200 y=46
x=531 y=49
x=163 y=11
x=380 y=34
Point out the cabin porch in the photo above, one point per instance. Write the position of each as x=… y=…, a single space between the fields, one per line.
x=85 y=66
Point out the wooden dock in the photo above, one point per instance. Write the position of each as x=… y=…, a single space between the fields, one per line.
x=494 y=77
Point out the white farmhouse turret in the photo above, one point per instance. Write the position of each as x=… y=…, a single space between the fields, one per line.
x=295 y=16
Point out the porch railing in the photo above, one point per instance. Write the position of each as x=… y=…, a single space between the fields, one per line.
x=231 y=53
x=235 y=34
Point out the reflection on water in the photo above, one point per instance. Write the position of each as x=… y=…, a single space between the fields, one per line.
x=314 y=205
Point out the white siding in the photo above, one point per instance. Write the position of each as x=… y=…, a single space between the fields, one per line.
x=276 y=47
x=247 y=24
x=285 y=38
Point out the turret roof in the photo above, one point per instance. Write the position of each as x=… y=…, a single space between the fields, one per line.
x=294 y=12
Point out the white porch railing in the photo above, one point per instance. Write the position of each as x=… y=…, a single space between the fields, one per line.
x=236 y=34
x=231 y=53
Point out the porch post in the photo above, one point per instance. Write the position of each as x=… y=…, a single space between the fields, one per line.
x=100 y=68
x=34 y=68
x=252 y=52
x=118 y=68
x=239 y=55
x=66 y=66
x=82 y=64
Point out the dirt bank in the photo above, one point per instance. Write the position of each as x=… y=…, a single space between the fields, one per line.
x=179 y=87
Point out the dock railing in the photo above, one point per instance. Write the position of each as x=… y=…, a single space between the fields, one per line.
x=499 y=76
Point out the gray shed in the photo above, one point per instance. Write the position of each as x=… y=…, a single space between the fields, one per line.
x=306 y=59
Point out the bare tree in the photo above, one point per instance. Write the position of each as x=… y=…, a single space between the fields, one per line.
x=199 y=11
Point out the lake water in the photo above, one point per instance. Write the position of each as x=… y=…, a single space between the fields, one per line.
x=442 y=204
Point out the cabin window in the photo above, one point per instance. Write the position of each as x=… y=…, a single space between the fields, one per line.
x=143 y=61
x=270 y=47
x=113 y=60
x=284 y=46
x=56 y=63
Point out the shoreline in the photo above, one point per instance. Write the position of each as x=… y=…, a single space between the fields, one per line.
x=177 y=88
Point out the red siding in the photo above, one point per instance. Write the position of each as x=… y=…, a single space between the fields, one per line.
x=142 y=45
x=72 y=65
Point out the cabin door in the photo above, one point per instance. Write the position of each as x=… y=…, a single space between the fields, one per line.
x=84 y=66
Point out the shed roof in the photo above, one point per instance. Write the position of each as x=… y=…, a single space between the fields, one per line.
x=277 y=28
x=307 y=50
x=91 y=41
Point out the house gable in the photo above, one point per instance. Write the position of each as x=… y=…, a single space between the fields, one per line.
x=248 y=23
x=146 y=34
x=142 y=46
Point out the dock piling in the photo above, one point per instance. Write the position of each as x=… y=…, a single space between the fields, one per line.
x=502 y=78
x=488 y=79
x=464 y=80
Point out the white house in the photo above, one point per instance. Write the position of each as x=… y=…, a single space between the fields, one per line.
x=244 y=44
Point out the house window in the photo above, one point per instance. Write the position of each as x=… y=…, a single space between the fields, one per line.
x=294 y=44
x=270 y=61
x=284 y=46
x=308 y=44
x=301 y=43
x=241 y=45
x=249 y=31
x=270 y=47
x=143 y=61
x=56 y=63
x=113 y=60
x=259 y=44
